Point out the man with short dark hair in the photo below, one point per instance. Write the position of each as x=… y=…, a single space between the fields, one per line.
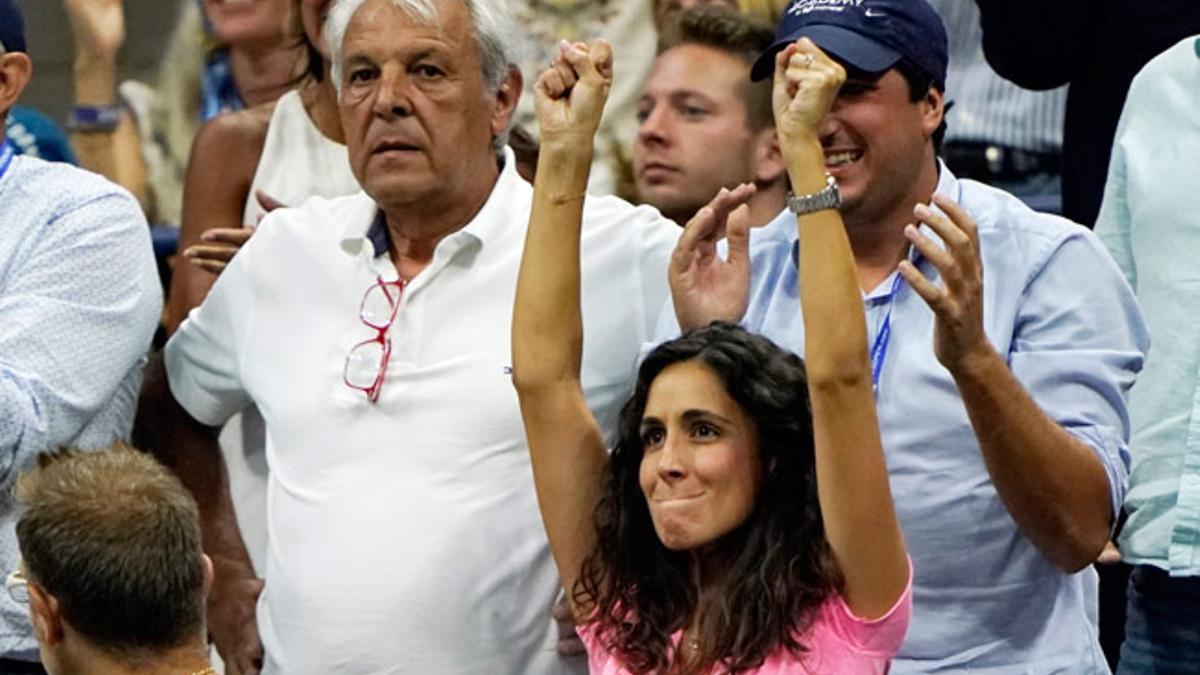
x=79 y=302
x=702 y=124
x=667 y=11
x=111 y=565
x=1000 y=378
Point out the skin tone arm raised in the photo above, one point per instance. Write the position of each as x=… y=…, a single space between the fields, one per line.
x=98 y=29
x=852 y=481
x=565 y=444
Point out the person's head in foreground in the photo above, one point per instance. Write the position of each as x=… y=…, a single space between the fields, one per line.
x=883 y=131
x=744 y=511
x=112 y=564
x=702 y=124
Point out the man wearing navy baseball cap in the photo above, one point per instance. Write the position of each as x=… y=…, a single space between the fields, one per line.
x=1002 y=342
x=12 y=28
x=79 y=302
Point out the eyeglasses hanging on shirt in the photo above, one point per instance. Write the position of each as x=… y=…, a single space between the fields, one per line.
x=367 y=362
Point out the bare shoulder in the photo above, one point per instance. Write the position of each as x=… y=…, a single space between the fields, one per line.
x=236 y=135
x=221 y=168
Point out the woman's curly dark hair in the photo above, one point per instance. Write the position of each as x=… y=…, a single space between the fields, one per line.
x=781 y=566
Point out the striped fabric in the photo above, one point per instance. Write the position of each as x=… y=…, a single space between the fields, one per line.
x=988 y=108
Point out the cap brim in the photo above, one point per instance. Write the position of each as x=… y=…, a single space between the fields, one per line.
x=842 y=44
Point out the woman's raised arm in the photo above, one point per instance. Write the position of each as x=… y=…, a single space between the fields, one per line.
x=565 y=444
x=852 y=479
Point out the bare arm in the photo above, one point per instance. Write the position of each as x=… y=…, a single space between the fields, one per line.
x=852 y=479
x=1053 y=485
x=565 y=444
x=220 y=171
x=98 y=30
x=190 y=450
x=1051 y=482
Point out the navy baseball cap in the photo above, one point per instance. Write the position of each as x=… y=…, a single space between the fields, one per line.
x=870 y=35
x=12 y=26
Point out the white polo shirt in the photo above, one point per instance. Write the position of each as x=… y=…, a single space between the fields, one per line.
x=405 y=535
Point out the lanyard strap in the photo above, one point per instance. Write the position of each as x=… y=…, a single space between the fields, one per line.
x=884 y=336
x=6 y=156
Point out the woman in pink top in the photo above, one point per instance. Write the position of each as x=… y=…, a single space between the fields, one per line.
x=731 y=530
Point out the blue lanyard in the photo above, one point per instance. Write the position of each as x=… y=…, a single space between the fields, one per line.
x=6 y=156
x=884 y=336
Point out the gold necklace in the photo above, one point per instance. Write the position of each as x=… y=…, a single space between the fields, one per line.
x=207 y=670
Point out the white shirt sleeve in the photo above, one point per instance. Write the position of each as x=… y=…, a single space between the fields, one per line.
x=203 y=357
x=658 y=237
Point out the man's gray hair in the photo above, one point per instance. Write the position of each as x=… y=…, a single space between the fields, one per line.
x=500 y=46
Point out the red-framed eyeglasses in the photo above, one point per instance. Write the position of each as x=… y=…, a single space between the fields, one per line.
x=367 y=362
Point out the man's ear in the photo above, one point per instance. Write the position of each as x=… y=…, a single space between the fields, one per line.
x=45 y=616
x=15 y=71
x=769 y=165
x=933 y=109
x=507 y=95
x=208 y=573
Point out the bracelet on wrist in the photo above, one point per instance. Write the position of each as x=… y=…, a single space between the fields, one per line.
x=829 y=198
x=95 y=119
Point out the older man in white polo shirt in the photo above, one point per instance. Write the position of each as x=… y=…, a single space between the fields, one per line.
x=372 y=332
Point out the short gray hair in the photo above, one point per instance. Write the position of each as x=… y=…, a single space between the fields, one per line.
x=500 y=45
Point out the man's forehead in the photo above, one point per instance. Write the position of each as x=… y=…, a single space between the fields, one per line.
x=448 y=19
x=693 y=66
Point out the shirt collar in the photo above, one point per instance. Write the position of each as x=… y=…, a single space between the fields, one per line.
x=8 y=155
x=781 y=228
x=947 y=186
x=484 y=226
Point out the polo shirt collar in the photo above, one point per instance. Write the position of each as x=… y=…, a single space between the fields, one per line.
x=483 y=227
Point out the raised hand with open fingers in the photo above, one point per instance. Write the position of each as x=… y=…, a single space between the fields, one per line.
x=704 y=287
x=571 y=93
x=957 y=303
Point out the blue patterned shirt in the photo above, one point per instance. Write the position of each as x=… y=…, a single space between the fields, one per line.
x=79 y=302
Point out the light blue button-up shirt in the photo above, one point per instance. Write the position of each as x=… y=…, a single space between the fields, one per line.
x=1150 y=221
x=79 y=302
x=1066 y=322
